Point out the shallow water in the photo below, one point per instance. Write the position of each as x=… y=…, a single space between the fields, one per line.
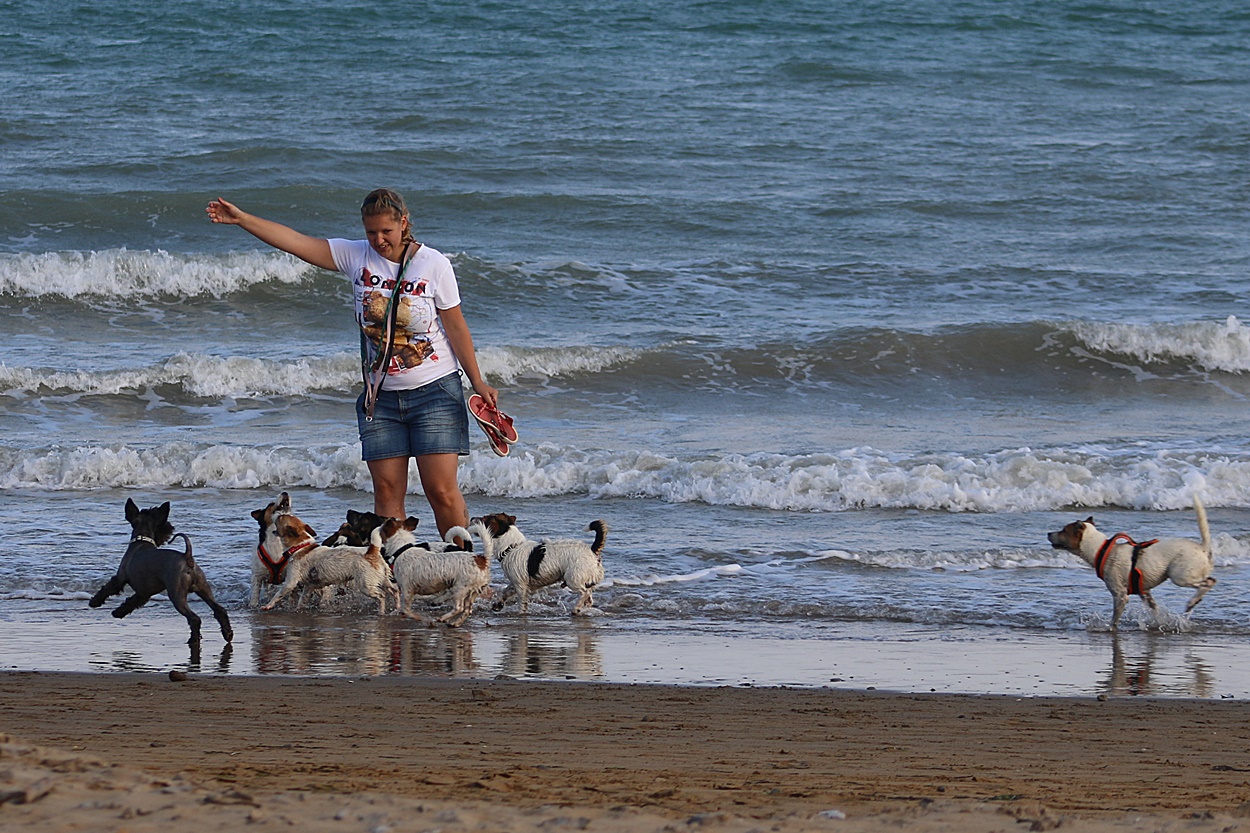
x=549 y=646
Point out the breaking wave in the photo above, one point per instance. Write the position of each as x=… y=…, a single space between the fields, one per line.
x=1013 y=480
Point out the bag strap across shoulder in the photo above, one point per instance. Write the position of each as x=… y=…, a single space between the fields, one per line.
x=374 y=374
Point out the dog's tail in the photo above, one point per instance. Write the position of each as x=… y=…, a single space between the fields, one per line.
x=466 y=540
x=601 y=536
x=1203 y=529
x=186 y=555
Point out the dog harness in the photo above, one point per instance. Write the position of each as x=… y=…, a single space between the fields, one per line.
x=390 y=560
x=291 y=552
x=276 y=567
x=1134 y=574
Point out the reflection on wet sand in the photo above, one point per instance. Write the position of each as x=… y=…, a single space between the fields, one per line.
x=302 y=644
x=549 y=656
x=311 y=644
x=1151 y=664
x=432 y=652
x=133 y=661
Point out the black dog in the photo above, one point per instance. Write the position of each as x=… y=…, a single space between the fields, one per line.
x=150 y=570
x=356 y=531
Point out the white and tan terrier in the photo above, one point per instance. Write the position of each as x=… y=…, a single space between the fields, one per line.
x=313 y=566
x=531 y=565
x=433 y=568
x=1131 y=568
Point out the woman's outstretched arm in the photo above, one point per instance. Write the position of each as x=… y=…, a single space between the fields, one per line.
x=314 y=250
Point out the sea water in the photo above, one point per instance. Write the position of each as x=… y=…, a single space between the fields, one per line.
x=831 y=311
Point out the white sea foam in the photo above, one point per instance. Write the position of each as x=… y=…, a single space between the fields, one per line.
x=1020 y=480
x=1017 y=480
x=54 y=594
x=120 y=273
x=1001 y=559
x=505 y=365
x=653 y=580
x=1209 y=345
x=225 y=377
x=184 y=465
x=197 y=375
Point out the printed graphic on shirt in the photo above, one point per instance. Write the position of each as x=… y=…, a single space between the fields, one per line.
x=415 y=319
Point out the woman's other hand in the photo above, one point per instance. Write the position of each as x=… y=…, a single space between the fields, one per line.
x=488 y=393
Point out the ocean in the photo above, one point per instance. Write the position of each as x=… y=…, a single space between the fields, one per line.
x=830 y=311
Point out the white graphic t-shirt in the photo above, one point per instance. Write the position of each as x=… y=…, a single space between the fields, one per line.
x=421 y=352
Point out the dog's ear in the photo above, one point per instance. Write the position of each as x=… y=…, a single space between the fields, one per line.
x=132 y=511
x=353 y=515
x=411 y=523
x=1090 y=521
x=511 y=519
x=258 y=515
x=162 y=512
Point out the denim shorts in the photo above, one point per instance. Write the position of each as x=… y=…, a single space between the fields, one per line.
x=431 y=419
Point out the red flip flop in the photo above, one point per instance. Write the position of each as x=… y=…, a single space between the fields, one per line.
x=495 y=425
x=495 y=440
x=493 y=418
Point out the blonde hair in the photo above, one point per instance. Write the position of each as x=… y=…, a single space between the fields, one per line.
x=385 y=201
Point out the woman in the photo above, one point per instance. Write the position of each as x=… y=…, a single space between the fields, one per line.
x=415 y=344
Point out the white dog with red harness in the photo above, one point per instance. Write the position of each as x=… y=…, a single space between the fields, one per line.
x=311 y=565
x=269 y=561
x=1131 y=568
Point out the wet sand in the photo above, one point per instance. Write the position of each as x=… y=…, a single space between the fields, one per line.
x=64 y=636
x=142 y=752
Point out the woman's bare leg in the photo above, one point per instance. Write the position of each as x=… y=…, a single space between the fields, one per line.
x=442 y=489
x=390 y=485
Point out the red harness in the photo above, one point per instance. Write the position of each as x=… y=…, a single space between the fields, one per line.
x=276 y=567
x=1134 y=574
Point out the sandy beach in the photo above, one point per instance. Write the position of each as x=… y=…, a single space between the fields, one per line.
x=139 y=752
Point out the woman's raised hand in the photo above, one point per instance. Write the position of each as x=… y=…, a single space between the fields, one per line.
x=220 y=211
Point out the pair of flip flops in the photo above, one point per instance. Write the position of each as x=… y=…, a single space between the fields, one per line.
x=496 y=425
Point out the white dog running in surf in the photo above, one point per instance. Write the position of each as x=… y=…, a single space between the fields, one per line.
x=530 y=565
x=314 y=566
x=427 y=569
x=1129 y=568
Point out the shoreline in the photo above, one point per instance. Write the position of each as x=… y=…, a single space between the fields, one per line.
x=637 y=755
x=897 y=657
